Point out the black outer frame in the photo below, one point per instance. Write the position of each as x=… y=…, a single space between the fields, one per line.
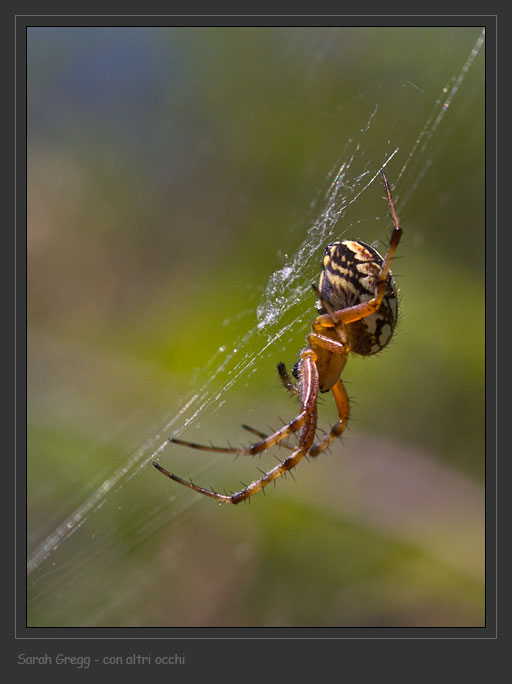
x=217 y=642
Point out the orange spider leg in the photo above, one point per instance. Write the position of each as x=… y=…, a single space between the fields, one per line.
x=342 y=402
x=291 y=387
x=335 y=320
x=307 y=436
x=318 y=340
x=309 y=393
x=264 y=435
x=341 y=398
x=355 y=313
x=322 y=363
x=268 y=440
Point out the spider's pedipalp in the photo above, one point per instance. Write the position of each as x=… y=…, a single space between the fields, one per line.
x=286 y=380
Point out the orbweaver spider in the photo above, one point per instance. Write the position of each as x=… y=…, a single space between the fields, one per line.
x=357 y=312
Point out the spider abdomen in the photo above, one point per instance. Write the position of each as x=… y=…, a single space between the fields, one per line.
x=349 y=276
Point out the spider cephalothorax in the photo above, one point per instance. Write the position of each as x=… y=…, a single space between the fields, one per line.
x=357 y=312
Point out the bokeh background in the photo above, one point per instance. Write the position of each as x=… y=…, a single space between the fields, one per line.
x=171 y=173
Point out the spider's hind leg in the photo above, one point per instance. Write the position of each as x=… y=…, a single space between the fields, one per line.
x=343 y=405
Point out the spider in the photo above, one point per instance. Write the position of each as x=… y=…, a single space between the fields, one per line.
x=357 y=312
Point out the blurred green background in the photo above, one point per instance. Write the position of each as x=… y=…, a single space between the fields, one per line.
x=171 y=172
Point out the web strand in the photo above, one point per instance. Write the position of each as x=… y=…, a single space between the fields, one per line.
x=285 y=288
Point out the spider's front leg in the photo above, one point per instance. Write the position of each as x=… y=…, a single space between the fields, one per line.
x=354 y=313
x=309 y=393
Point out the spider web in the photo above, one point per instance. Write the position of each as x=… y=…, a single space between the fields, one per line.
x=285 y=302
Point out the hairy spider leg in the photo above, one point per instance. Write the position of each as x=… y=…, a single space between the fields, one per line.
x=341 y=398
x=343 y=405
x=291 y=387
x=264 y=435
x=307 y=435
x=355 y=313
x=309 y=384
x=269 y=440
x=339 y=393
x=309 y=387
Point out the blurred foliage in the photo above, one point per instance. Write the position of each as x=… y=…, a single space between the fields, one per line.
x=170 y=172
